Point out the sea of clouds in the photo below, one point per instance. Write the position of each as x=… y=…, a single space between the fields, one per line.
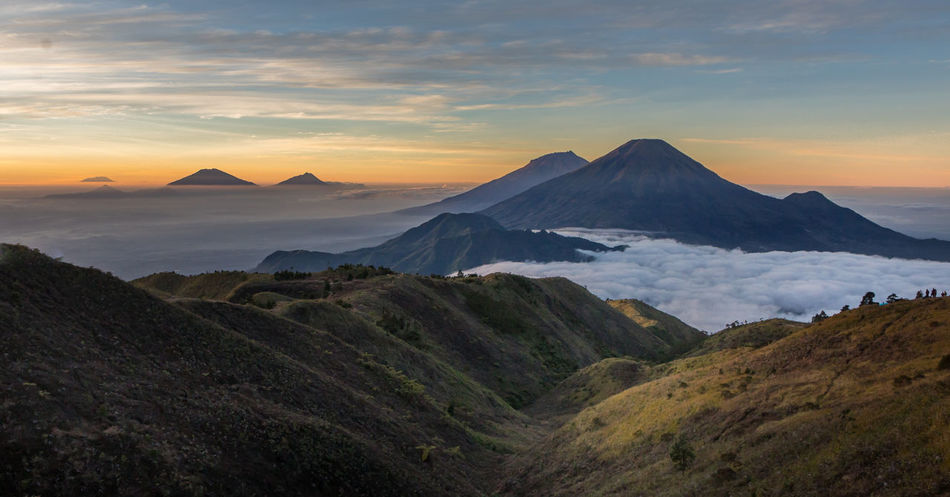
x=708 y=287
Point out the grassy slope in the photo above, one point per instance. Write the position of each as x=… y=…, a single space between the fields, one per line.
x=515 y=336
x=107 y=389
x=679 y=335
x=752 y=335
x=217 y=285
x=855 y=405
x=110 y=389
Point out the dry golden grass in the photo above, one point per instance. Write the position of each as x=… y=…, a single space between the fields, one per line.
x=852 y=406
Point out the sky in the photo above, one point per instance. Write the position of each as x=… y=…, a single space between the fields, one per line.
x=803 y=92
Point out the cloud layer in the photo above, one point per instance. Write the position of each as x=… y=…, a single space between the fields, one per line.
x=708 y=287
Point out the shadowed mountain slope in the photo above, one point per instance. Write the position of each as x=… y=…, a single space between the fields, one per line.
x=211 y=177
x=648 y=185
x=109 y=391
x=535 y=172
x=399 y=385
x=442 y=245
x=515 y=335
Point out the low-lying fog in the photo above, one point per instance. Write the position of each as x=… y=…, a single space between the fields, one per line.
x=199 y=230
x=708 y=287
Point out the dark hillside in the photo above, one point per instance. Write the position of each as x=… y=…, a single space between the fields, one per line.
x=108 y=390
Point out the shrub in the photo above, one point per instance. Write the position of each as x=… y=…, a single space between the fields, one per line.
x=944 y=363
x=681 y=453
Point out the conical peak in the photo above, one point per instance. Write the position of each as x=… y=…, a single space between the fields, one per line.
x=556 y=157
x=653 y=157
x=810 y=199
x=646 y=147
x=211 y=177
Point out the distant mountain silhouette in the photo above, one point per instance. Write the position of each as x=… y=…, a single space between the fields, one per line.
x=98 y=179
x=104 y=191
x=535 y=172
x=443 y=245
x=648 y=185
x=211 y=177
x=308 y=179
x=305 y=179
x=108 y=192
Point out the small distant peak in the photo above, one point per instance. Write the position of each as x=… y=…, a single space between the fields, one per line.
x=303 y=179
x=211 y=177
x=98 y=179
x=461 y=220
x=558 y=160
x=809 y=196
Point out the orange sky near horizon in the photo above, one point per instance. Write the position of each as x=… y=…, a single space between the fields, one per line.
x=752 y=161
x=793 y=93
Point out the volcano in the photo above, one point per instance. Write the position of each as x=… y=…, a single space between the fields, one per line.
x=648 y=185
x=211 y=177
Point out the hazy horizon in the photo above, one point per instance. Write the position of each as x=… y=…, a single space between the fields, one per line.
x=234 y=228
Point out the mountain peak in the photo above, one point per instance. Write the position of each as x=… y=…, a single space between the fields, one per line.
x=535 y=172
x=810 y=197
x=653 y=149
x=448 y=224
x=211 y=177
x=303 y=179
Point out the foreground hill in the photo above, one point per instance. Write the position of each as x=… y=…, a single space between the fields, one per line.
x=358 y=381
x=210 y=177
x=442 y=245
x=855 y=405
x=535 y=172
x=647 y=185
x=383 y=384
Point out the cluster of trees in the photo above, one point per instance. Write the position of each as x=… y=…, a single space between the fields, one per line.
x=735 y=324
x=290 y=275
x=868 y=299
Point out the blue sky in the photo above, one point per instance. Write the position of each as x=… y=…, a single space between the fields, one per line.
x=797 y=92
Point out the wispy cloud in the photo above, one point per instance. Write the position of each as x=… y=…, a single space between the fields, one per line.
x=423 y=69
x=676 y=59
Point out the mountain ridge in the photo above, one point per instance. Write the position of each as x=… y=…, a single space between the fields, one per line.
x=534 y=172
x=442 y=245
x=648 y=185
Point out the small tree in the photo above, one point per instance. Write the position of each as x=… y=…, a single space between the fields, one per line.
x=868 y=299
x=845 y=307
x=892 y=298
x=681 y=453
x=821 y=316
